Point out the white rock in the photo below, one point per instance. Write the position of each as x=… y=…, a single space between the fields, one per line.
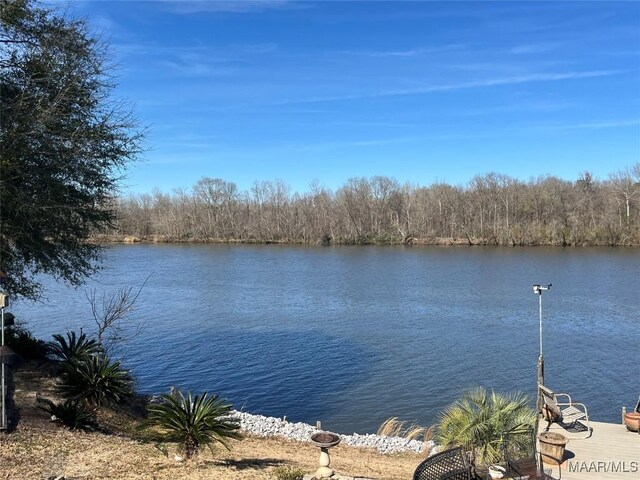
x=262 y=426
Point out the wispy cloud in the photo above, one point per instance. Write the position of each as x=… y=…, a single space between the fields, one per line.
x=491 y=82
x=531 y=23
x=226 y=6
x=537 y=106
x=347 y=144
x=192 y=68
x=533 y=48
x=412 y=52
x=195 y=60
x=480 y=67
x=226 y=51
x=104 y=24
x=509 y=131
x=634 y=122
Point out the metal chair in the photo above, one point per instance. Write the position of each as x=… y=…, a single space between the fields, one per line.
x=448 y=465
x=570 y=415
x=519 y=450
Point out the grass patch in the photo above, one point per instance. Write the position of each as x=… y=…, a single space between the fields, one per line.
x=288 y=473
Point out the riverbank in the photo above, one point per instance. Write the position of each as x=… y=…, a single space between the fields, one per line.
x=262 y=426
x=323 y=241
x=39 y=448
x=370 y=240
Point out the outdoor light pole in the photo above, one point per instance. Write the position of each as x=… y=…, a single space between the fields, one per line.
x=7 y=357
x=3 y=419
x=538 y=289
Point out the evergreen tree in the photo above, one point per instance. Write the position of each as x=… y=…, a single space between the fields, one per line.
x=64 y=145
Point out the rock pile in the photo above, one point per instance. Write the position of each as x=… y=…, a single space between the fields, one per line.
x=262 y=426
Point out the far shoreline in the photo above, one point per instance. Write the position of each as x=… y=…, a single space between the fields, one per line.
x=324 y=242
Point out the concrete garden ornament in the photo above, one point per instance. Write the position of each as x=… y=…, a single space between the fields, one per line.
x=325 y=440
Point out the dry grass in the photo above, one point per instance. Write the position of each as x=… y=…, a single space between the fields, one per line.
x=40 y=453
x=394 y=427
x=38 y=449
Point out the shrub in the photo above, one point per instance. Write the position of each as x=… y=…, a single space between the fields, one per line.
x=193 y=421
x=72 y=414
x=479 y=421
x=288 y=473
x=73 y=348
x=95 y=380
x=24 y=343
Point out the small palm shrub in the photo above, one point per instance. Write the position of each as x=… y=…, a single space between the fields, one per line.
x=479 y=421
x=201 y=420
x=74 y=347
x=72 y=413
x=288 y=473
x=96 y=381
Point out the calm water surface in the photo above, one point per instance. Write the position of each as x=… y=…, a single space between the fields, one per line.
x=354 y=335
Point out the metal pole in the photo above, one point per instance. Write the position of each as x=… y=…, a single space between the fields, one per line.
x=540 y=296
x=3 y=426
x=539 y=404
x=539 y=464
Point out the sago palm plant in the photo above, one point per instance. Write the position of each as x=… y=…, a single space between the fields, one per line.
x=73 y=347
x=480 y=420
x=72 y=414
x=201 y=420
x=95 y=380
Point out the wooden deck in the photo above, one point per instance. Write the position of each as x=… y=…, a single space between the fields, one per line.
x=612 y=452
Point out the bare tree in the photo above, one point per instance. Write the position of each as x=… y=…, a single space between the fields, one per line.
x=625 y=187
x=111 y=312
x=490 y=209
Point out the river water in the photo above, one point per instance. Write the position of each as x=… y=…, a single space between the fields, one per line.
x=353 y=335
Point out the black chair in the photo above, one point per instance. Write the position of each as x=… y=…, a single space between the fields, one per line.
x=448 y=465
x=519 y=450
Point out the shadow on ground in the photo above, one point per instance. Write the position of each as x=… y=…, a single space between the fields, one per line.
x=249 y=463
x=12 y=411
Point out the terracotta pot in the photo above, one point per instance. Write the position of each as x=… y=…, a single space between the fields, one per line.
x=632 y=421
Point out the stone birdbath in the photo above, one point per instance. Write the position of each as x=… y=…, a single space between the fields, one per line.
x=325 y=440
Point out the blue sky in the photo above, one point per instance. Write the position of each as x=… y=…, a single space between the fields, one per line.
x=421 y=91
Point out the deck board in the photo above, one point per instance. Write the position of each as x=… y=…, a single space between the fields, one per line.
x=612 y=452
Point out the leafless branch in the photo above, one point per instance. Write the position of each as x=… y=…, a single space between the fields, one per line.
x=111 y=310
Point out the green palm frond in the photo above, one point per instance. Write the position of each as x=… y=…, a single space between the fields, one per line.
x=95 y=380
x=72 y=414
x=194 y=421
x=73 y=347
x=479 y=421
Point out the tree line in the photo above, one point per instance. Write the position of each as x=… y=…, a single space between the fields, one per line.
x=491 y=209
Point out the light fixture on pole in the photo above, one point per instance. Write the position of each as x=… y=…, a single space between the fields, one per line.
x=539 y=289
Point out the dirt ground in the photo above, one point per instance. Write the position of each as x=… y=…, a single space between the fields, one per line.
x=39 y=449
